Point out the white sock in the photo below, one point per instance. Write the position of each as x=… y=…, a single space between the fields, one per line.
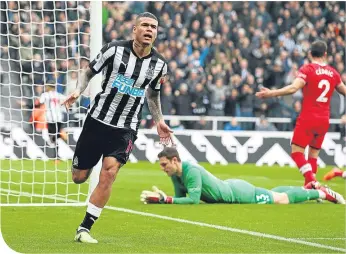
x=307 y=167
x=322 y=194
x=94 y=210
x=344 y=175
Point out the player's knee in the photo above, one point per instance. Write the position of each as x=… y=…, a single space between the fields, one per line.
x=78 y=180
x=108 y=175
x=297 y=149
x=79 y=176
x=313 y=153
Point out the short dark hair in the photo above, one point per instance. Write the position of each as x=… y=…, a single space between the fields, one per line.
x=318 y=48
x=169 y=153
x=146 y=15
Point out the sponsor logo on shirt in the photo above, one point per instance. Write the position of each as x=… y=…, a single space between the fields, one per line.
x=124 y=86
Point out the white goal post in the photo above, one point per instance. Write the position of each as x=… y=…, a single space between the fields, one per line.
x=39 y=41
x=95 y=83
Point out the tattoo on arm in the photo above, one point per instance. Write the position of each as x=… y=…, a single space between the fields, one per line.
x=85 y=76
x=154 y=104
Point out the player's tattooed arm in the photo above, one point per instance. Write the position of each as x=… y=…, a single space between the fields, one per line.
x=154 y=104
x=82 y=83
x=85 y=76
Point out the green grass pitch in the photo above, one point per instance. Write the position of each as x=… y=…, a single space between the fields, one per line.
x=51 y=229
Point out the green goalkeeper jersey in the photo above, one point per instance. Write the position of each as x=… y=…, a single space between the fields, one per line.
x=200 y=184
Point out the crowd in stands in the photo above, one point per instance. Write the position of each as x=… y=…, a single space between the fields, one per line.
x=44 y=41
x=219 y=53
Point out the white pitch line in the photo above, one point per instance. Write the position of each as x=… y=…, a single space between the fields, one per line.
x=68 y=202
x=235 y=230
x=321 y=238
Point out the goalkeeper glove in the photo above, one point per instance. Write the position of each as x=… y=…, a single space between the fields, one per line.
x=163 y=197
x=150 y=197
x=154 y=197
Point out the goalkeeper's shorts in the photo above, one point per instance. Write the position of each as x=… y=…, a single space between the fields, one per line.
x=246 y=193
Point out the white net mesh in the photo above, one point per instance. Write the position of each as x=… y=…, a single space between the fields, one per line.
x=40 y=42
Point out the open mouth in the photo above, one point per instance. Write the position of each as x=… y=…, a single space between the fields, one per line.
x=148 y=36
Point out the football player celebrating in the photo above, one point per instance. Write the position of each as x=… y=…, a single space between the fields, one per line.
x=318 y=81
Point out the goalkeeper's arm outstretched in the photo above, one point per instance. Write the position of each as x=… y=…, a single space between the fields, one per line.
x=193 y=183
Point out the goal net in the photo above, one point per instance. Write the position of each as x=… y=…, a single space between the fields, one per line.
x=40 y=42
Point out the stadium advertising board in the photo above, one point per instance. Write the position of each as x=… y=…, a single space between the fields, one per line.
x=260 y=148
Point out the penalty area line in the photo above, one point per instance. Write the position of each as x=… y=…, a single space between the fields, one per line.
x=224 y=228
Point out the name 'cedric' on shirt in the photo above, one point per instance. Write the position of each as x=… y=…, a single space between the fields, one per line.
x=124 y=86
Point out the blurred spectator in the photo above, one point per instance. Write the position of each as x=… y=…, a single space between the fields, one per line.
x=202 y=125
x=246 y=99
x=200 y=100
x=38 y=117
x=167 y=100
x=218 y=92
x=264 y=125
x=232 y=104
x=297 y=107
x=71 y=83
x=232 y=125
x=263 y=108
x=176 y=125
x=182 y=103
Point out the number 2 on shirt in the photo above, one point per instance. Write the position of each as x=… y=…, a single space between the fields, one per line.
x=326 y=85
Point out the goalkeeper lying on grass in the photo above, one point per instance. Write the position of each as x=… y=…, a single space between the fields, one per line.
x=199 y=184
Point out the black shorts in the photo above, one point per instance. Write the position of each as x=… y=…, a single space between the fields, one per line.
x=54 y=131
x=98 y=139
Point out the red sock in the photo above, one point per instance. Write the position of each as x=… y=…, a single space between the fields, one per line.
x=299 y=159
x=338 y=173
x=313 y=163
x=304 y=167
x=309 y=177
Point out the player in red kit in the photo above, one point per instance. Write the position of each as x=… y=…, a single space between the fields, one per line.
x=318 y=81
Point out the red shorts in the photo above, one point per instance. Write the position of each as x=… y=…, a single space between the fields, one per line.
x=310 y=132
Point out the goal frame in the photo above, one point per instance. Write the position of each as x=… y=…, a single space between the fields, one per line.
x=94 y=86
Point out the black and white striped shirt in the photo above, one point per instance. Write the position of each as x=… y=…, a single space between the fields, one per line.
x=125 y=80
x=52 y=101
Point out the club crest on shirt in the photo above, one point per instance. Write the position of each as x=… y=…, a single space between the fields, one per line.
x=75 y=161
x=149 y=73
